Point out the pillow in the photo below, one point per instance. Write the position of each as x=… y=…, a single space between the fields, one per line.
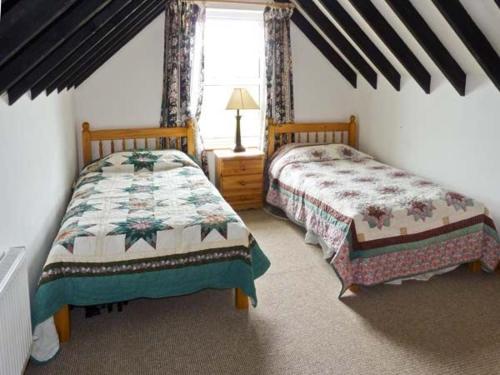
x=140 y=161
x=306 y=153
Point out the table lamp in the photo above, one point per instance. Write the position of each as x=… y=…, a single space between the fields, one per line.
x=240 y=99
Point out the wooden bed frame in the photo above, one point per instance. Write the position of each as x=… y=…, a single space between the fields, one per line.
x=123 y=136
x=319 y=132
x=118 y=140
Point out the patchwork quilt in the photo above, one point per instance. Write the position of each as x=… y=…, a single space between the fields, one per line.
x=146 y=224
x=378 y=223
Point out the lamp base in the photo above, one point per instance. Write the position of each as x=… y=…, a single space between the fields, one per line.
x=239 y=148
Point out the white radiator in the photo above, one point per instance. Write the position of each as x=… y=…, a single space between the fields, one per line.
x=15 y=318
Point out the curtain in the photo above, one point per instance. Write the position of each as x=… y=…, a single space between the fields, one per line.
x=279 y=75
x=183 y=70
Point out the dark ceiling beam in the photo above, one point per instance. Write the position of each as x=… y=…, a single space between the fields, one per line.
x=86 y=47
x=102 y=47
x=364 y=43
x=7 y=5
x=340 y=41
x=84 y=75
x=108 y=50
x=392 y=40
x=472 y=37
x=430 y=43
x=64 y=50
x=47 y=41
x=324 y=47
x=24 y=21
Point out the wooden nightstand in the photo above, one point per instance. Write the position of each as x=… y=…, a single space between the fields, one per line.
x=240 y=177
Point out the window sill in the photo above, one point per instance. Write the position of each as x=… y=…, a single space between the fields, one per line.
x=211 y=145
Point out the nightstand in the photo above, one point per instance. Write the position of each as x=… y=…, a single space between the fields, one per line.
x=240 y=177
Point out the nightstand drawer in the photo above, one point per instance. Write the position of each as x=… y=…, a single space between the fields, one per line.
x=242 y=166
x=243 y=182
x=228 y=193
x=245 y=201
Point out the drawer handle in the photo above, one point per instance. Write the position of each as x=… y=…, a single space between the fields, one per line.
x=242 y=183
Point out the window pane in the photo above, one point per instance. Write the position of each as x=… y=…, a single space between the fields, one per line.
x=234 y=46
x=232 y=49
x=217 y=122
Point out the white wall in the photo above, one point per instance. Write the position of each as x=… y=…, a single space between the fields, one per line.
x=37 y=168
x=127 y=90
x=321 y=92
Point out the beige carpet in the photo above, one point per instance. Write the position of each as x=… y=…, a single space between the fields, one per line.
x=449 y=325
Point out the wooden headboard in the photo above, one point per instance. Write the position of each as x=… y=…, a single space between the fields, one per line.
x=124 y=137
x=345 y=132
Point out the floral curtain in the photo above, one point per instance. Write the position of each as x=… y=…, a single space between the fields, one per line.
x=279 y=76
x=183 y=69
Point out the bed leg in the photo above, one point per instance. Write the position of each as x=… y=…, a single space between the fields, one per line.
x=63 y=323
x=475 y=266
x=354 y=288
x=240 y=299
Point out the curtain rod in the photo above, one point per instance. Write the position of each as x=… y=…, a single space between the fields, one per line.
x=242 y=2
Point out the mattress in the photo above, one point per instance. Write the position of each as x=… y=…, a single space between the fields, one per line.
x=378 y=223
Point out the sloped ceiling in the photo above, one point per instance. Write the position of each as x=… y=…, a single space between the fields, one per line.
x=58 y=44
x=416 y=37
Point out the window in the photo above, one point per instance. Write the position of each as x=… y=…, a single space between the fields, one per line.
x=234 y=57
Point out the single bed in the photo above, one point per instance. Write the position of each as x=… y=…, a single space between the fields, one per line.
x=375 y=223
x=142 y=223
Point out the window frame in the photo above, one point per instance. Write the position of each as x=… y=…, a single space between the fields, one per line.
x=217 y=142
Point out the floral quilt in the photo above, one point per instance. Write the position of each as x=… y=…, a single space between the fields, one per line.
x=146 y=224
x=378 y=223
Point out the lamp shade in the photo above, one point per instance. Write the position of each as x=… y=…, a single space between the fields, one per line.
x=241 y=99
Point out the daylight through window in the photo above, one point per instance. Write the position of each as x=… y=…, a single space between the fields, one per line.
x=234 y=57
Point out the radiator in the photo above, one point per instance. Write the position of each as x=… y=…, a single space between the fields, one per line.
x=15 y=318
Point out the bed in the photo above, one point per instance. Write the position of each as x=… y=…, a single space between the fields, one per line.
x=375 y=223
x=142 y=222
